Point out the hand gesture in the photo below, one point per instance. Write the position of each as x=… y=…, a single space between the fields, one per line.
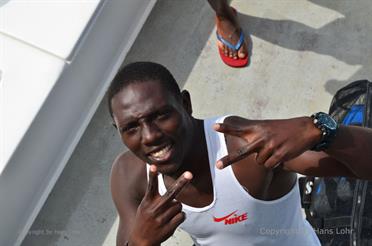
x=158 y=216
x=273 y=141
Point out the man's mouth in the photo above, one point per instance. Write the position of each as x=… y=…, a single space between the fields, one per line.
x=162 y=154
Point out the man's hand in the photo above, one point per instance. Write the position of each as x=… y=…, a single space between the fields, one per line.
x=158 y=216
x=273 y=141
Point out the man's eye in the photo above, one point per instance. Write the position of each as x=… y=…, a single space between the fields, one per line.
x=163 y=116
x=129 y=129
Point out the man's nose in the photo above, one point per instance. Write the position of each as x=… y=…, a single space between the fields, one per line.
x=150 y=133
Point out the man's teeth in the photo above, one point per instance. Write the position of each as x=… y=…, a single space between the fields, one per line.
x=162 y=152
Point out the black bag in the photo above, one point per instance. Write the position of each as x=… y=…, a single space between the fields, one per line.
x=340 y=208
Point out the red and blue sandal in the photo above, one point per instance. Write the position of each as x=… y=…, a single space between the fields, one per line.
x=230 y=61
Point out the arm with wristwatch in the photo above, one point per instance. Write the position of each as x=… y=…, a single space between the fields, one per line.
x=313 y=146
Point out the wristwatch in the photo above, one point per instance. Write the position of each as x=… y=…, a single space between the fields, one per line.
x=328 y=127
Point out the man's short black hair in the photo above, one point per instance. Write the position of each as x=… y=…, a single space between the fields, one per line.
x=142 y=72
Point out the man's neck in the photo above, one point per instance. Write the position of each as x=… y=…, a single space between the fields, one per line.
x=199 y=192
x=196 y=159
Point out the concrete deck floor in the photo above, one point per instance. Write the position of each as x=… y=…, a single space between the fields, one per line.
x=302 y=51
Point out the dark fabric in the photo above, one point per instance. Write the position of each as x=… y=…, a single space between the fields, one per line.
x=340 y=208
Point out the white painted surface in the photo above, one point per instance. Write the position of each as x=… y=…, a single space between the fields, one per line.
x=52 y=25
x=29 y=75
x=37 y=38
x=75 y=90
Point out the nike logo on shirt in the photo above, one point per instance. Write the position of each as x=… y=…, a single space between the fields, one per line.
x=233 y=220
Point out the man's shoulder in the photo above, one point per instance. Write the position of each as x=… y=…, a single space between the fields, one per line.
x=127 y=161
x=128 y=173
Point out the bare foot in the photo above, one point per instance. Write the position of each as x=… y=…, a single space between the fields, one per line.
x=229 y=29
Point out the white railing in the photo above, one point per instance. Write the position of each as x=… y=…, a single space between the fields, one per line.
x=74 y=83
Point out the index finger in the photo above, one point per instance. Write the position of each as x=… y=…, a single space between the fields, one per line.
x=176 y=188
x=228 y=129
x=152 y=186
x=238 y=155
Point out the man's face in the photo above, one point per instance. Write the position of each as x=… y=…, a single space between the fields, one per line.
x=153 y=124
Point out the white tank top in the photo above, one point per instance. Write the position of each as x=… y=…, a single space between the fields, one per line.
x=234 y=217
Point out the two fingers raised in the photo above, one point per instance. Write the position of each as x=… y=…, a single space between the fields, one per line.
x=153 y=190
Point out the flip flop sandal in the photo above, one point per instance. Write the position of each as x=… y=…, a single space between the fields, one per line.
x=230 y=61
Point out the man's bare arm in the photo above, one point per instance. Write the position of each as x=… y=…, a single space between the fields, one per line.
x=348 y=155
x=287 y=142
x=127 y=193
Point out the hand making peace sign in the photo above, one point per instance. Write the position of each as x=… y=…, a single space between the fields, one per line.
x=273 y=141
x=158 y=216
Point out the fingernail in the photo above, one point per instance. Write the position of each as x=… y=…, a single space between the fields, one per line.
x=153 y=168
x=219 y=164
x=188 y=175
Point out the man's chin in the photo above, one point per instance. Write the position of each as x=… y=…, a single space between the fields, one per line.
x=167 y=168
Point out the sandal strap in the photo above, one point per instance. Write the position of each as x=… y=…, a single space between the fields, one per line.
x=235 y=47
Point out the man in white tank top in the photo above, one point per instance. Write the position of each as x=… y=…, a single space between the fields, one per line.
x=254 y=201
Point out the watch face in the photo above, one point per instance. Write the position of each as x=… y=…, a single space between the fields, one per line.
x=327 y=121
x=328 y=126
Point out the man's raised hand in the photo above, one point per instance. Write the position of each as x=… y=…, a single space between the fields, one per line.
x=273 y=141
x=158 y=216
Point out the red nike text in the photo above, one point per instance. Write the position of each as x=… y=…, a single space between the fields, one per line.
x=232 y=218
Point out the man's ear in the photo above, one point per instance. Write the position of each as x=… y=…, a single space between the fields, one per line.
x=186 y=101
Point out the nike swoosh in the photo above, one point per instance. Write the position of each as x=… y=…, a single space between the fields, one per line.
x=223 y=218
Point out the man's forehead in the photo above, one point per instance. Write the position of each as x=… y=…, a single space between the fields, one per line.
x=140 y=98
x=140 y=92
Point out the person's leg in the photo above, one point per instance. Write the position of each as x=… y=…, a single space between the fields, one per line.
x=228 y=27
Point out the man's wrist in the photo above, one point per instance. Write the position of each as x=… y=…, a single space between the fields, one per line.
x=328 y=127
x=314 y=133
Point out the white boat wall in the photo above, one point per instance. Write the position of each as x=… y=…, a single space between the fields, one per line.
x=57 y=59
